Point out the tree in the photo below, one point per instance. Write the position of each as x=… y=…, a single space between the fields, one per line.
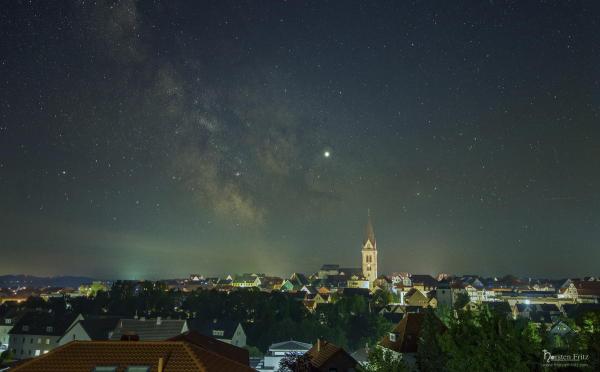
x=295 y=362
x=430 y=356
x=384 y=360
x=6 y=356
x=382 y=297
x=462 y=299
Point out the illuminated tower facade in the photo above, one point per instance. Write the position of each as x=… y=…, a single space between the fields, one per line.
x=369 y=253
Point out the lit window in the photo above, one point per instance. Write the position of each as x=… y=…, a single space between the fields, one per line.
x=138 y=369
x=393 y=337
x=105 y=369
x=38 y=352
x=47 y=341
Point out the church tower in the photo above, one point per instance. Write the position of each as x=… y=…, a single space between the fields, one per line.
x=369 y=253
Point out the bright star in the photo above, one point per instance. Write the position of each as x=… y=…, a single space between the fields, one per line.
x=326 y=154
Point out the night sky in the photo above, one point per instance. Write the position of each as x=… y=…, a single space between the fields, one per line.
x=149 y=139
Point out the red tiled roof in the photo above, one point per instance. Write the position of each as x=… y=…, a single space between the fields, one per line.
x=587 y=288
x=178 y=356
x=323 y=351
x=407 y=334
x=224 y=349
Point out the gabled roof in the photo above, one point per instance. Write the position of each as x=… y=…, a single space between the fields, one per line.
x=224 y=349
x=99 y=329
x=299 y=279
x=587 y=288
x=208 y=327
x=407 y=333
x=323 y=351
x=177 y=356
x=43 y=323
x=150 y=329
x=291 y=345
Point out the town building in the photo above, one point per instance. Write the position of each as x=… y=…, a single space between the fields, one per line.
x=149 y=329
x=37 y=333
x=90 y=329
x=224 y=330
x=278 y=351
x=327 y=357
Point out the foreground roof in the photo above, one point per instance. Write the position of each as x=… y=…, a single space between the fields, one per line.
x=229 y=351
x=84 y=356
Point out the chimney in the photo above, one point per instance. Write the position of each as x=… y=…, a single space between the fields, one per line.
x=161 y=364
x=158 y=320
x=129 y=336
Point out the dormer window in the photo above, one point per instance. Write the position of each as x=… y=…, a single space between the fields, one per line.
x=7 y=321
x=218 y=332
x=392 y=337
x=25 y=328
x=49 y=329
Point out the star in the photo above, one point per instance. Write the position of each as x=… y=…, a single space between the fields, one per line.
x=327 y=154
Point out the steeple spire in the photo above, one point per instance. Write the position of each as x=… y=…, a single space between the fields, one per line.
x=370 y=234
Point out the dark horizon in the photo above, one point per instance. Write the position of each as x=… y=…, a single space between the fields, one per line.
x=146 y=139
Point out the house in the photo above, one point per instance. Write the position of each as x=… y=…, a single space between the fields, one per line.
x=299 y=280
x=327 y=357
x=9 y=316
x=237 y=354
x=90 y=329
x=403 y=339
x=358 y=282
x=224 y=330
x=587 y=291
x=117 y=356
x=37 y=333
x=246 y=281
x=448 y=292
x=278 y=351
x=415 y=297
x=149 y=329
x=567 y=290
x=424 y=283
x=286 y=286
x=270 y=283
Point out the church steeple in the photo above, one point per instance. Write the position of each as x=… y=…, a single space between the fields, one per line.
x=369 y=252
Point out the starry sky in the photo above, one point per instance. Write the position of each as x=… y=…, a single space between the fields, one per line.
x=153 y=139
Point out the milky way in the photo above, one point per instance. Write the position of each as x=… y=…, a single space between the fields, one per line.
x=157 y=139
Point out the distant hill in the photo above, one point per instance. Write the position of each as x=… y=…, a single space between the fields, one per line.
x=39 y=282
